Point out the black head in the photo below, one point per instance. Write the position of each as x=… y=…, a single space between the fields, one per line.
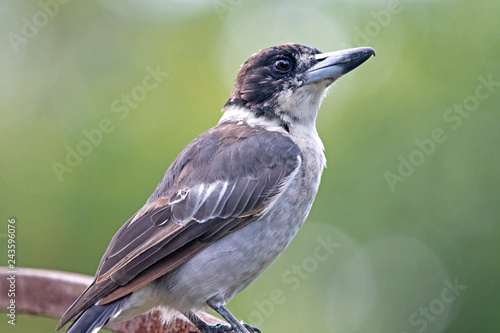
x=269 y=72
x=290 y=76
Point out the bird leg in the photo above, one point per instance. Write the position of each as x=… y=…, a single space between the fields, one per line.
x=204 y=327
x=235 y=324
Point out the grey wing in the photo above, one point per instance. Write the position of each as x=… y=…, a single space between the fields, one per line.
x=198 y=206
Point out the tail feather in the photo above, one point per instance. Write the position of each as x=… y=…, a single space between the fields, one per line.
x=95 y=317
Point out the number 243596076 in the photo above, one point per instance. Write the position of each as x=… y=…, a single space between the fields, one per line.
x=11 y=243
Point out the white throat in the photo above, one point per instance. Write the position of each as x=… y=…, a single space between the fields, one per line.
x=245 y=116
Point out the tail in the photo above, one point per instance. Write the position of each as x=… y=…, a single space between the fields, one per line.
x=95 y=317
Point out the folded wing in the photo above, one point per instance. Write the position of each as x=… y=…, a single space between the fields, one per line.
x=223 y=180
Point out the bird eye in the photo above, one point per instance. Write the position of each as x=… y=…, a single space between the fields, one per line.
x=282 y=65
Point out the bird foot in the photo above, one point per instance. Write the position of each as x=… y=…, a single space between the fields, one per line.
x=221 y=328
x=252 y=329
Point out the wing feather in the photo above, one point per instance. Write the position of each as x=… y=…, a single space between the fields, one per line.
x=222 y=181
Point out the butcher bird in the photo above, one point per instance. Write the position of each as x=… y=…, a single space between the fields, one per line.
x=229 y=204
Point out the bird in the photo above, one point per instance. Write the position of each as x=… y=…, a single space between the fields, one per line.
x=229 y=204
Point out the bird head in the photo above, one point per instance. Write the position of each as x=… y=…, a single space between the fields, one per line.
x=289 y=81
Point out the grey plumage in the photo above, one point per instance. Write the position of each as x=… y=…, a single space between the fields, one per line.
x=229 y=204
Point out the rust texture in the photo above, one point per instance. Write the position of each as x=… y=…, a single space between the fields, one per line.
x=49 y=293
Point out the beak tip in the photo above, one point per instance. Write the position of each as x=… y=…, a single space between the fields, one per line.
x=333 y=65
x=370 y=50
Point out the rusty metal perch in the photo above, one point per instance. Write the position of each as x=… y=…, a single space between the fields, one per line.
x=49 y=293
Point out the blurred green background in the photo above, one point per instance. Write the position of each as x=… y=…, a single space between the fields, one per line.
x=409 y=202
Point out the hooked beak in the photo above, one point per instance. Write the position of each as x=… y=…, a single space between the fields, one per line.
x=332 y=65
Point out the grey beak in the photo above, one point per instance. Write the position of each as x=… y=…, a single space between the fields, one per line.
x=332 y=65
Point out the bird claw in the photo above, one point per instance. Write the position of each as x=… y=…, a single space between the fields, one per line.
x=252 y=329
x=221 y=328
